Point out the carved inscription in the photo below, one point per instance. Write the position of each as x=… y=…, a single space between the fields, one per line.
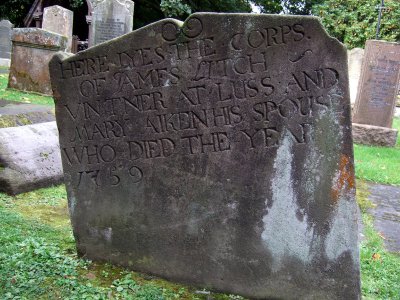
x=192 y=94
x=215 y=151
x=379 y=84
x=108 y=29
x=382 y=85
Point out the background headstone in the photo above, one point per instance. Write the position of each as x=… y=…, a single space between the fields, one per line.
x=29 y=158
x=5 y=42
x=32 y=50
x=379 y=84
x=59 y=20
x=215 y=152
x=374 y=135
x=110 y=19
x=14 y=114
x=355 y=58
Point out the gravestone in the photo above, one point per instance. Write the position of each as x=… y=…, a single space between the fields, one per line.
x=5 y=42
x=215 y=152
x=32 y=50
x=379 y=84
x=355 y=59
x=29 y=158
x=59 y=20
x=377 y=93
x=14 y=114
x=110 y=19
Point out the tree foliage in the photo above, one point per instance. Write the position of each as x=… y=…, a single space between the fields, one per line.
x=293 y=7
x=15 y=10
x=354 y=21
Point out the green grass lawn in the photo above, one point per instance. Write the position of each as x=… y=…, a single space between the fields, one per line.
x=380 y=270
x=379 y=164
x=15 y=95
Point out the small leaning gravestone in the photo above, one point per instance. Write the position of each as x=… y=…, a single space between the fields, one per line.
x=215 y=152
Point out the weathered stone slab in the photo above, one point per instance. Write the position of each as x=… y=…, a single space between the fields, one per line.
x=5 y=42
x=215 y=152
x=29 y=158
x=110 y=19
x=374 y=135
x=32 y=50
x=14 y=114
x=355 y=59
x=379 y=84
x=59 y=20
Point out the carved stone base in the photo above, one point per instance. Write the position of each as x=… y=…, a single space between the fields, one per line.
x=374 y=135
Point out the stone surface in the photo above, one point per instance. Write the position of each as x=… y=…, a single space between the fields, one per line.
x=14 y=114
x=32 y=50
x=59 y=20
x=5 y=39
x=379 y=84
x=374 y=135
x=29 y=158
x=5 y=42
x=5 y=62
x=215 y=152
x=386 y=213
x=355 y=58
x=110 y=19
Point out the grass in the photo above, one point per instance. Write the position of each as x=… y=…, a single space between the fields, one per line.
x=15 y=95
x=380 y=270
x=379 y=164
x=38 y=260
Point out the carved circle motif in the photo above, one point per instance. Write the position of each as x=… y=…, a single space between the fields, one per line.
x=192 y=29
x=170 y=31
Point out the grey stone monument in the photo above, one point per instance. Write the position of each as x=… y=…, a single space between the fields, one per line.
x=110 y=19
x=355 y=59
x=32 y=50
x=59 y=20
x=377 y=94
x=215 y=152
x=29 y=158
x=5 y=42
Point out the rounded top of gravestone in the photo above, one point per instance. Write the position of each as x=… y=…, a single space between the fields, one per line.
x=56 y=8
x=6 y=23
x=105 y=3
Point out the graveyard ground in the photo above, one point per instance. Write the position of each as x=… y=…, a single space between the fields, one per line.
x=37 y=250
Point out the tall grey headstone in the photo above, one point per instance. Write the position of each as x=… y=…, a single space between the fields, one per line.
x=5 y=42
x=355 y=59
x=110 y=19
x=215 y=152
x=379 y=84
x=59 y=20
x=377 y=94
